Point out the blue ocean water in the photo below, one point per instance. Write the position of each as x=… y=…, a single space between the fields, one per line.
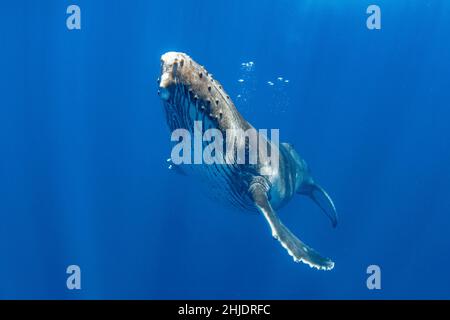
x=84 y=143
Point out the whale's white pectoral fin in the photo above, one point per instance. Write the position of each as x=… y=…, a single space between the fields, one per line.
x=295 y=247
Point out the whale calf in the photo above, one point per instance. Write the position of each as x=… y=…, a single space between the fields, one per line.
x=189 y=94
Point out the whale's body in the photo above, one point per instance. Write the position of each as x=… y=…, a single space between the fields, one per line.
x=190 y=94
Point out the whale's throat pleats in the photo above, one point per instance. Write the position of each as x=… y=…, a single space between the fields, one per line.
x=223 y=182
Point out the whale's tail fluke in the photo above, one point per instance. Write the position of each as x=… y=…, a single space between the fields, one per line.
x=322 y=199
x=305 y=185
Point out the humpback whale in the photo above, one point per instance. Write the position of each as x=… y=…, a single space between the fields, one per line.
x=189 y=93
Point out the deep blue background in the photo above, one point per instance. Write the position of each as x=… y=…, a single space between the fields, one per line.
x=83 y=177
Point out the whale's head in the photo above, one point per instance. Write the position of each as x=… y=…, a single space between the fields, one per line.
x=189 y=93
x=172 y=64
x=182 y=90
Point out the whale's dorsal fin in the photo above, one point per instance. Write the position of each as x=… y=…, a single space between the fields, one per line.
x=295 y=247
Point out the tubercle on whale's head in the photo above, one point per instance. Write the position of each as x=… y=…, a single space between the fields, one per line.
x=172 y=64
x=184 y=83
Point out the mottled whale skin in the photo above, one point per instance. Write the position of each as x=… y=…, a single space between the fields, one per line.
x=189 y=93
